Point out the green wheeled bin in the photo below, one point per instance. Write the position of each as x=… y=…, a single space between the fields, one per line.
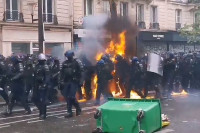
x=129 y=116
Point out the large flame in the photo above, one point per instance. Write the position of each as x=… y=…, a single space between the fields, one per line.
x=134 y=95
x=182 y=93
x=114 y=48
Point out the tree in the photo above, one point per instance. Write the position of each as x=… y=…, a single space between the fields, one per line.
x=192 y=32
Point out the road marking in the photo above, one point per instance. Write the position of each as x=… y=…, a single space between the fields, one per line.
x=34 y=121
x=84 y=109
x=30 y=115
x=4 y=126
x=165 y=131
x=60 y=117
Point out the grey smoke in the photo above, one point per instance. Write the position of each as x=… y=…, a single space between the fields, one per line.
x=92 y=43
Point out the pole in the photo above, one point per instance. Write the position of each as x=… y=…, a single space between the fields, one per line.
x=40 y=26
x=72 y=15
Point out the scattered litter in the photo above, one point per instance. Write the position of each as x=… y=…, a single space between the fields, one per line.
x=81 y=125
x=165 y=120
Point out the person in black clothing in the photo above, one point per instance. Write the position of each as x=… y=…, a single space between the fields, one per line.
x=17 y=85
x=41 y=80
x=70 y=77
x=3 y=79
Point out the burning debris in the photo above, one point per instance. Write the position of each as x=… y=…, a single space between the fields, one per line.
x=182 y=93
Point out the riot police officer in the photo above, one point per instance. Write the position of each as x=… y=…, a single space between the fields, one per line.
x=122 y=72
x=41 y=82
x=54 y=80
x=136 y=77
x=103 y=69
x=3 y=79
x=168 y=73
x=70 y=77
x=29 y=74
x=17 y=85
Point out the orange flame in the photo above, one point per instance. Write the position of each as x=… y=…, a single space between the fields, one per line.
x=134 y=95
x=182 y=93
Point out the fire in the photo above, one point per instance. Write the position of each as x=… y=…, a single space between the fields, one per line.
x=98 y=56
x=114 y=48
x=95 y=86
x=118 y=94
x=117 y=48
x=134 y=95
x=182 y=93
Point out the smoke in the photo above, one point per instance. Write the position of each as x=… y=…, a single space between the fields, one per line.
x=97 y=28
x=92 y=43
x=119 y=24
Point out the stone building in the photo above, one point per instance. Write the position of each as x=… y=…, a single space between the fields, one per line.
x=18 y=34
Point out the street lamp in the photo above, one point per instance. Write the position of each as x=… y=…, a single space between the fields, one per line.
x=32 y=6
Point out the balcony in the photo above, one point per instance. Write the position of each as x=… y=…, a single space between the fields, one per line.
x=50 y=18
x=142 y=25
x=154 y=26
x=178 y=26
x=13 y=15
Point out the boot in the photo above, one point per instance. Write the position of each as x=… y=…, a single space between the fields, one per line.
x=69 y=115
x=42 y=117
x=78 y=112
x=27 y=112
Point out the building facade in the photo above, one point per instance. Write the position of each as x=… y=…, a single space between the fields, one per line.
x=158 y=20
x=19 y=34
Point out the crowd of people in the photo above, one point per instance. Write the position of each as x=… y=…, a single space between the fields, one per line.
x=37 y=79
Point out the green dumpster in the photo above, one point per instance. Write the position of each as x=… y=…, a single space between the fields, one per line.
x=129 y=116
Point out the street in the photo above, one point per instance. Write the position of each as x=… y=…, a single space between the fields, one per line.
x=183 y=112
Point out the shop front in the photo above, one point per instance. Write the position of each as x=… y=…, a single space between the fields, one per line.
x=25 y=40
x=160 y=42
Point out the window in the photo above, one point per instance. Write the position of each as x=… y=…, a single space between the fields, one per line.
x=140 y=13
x=178 y=16
x=197 y=17
x=48 y=11
x=12 y=10
x=21 y=48
x=123 y=9
x=35 y=48
x=88 y=7
x=154 y=14
x=106 y=7
x=54 y=49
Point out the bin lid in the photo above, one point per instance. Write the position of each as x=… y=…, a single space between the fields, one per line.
x=129 y=104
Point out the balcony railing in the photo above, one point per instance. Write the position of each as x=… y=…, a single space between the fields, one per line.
x=50 y=18
x=142 y=25
x=154 y=26
x=13 y=15
x=178 y=26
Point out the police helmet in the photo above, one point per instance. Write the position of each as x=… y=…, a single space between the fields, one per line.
x=69 y=54
x=15 y=58
x=2 y=57
x=119 y=57
x=101 y=62
x=135 y=59
x=41 y=56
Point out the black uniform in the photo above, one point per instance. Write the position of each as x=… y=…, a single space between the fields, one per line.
x=70 y=76
x=136 y=79
x=54 y=80
x=40 y=89
x=17 y=86
x=3 y=81
x=103 y=70
x=29 y=75
x=122 y=73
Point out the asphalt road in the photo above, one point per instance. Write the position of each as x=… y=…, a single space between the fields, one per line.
x=183 y=113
